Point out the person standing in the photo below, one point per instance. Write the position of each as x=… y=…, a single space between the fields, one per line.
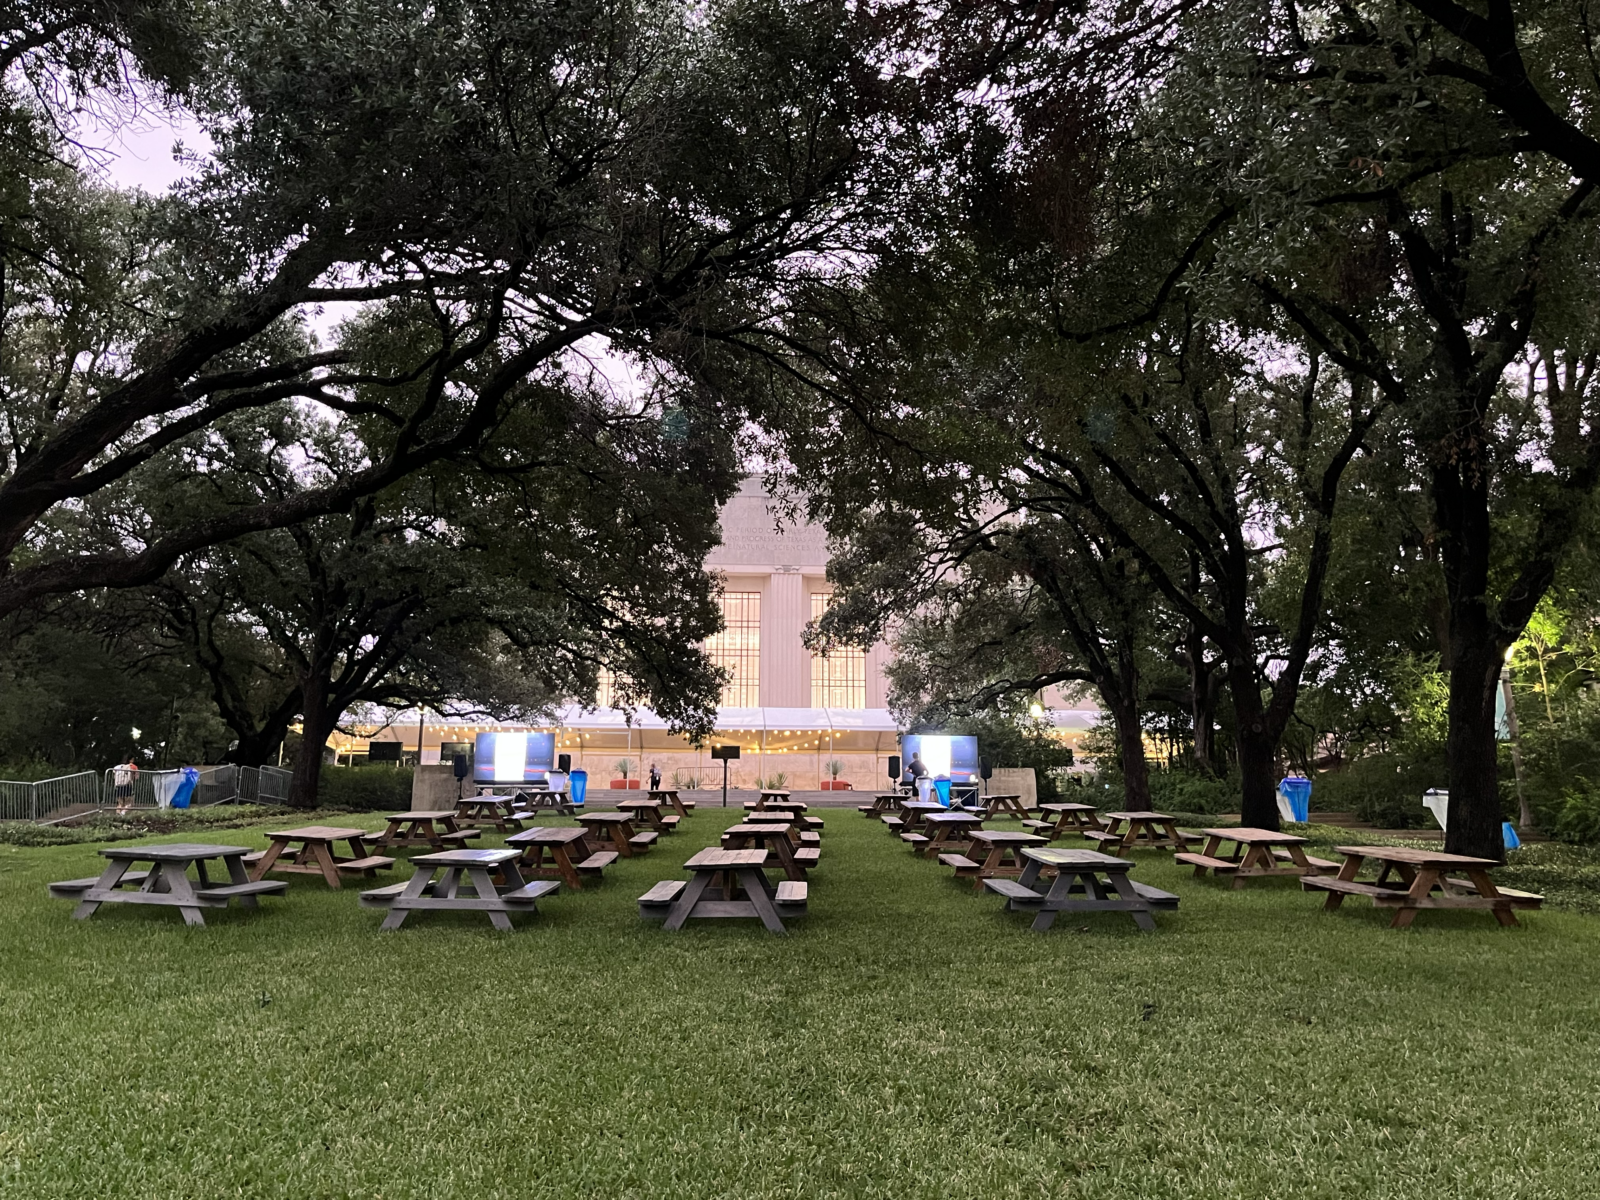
x=655 y=778
x=122 y=780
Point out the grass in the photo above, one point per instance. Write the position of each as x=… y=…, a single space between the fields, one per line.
x=908 y=1038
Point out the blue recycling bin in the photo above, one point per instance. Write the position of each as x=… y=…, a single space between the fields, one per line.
x=185 y=792
x=577 y=785
x=1508 y=832
x=942 y=787
x=1297 y=792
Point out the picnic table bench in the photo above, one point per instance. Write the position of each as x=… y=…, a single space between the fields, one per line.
x=1060 y=819
x=1255 y=853
x=994 y=853
x=167 y=882
x=437 y=884
x=726 y=883
x=560 y=853
x=946 y=831
x=316 y=854
x=649 y=812
x=1420 y=873
x=488 y=810
x=1142 y=830
x=617 y=828
x=1077 y=887
x=436 y=829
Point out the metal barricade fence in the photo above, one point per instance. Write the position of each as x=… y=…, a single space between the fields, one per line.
x=274 y=788
x=41 y=799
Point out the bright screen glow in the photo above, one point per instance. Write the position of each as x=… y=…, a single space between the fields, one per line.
x=955 y=757
x=513 y=757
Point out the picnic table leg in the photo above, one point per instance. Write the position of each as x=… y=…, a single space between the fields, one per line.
x=484 y=886
x=1486 y=888
x=791 y=869
x=419 y=884
x=564 y=864
x=1124 y=890
x=237 y=874
x=109 y=878
x=266 y=862
x=322 y=853
x=177 y=882
x=1060 y=889
x=687 y=899
x=1297 y=856
x=760 y=894
x=1351 y=868
x=1422 y=883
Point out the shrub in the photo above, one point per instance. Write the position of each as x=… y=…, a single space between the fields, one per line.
x=375 y=788
x=1383 y=789
x=1177 y=790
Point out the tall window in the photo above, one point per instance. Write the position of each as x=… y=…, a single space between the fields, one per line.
x=839 y=679
x=738 y=648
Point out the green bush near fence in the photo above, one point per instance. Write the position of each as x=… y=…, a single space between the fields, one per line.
x=377 y=788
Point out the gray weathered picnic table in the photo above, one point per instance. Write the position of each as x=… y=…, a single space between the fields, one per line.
x=1143 y=829
x=726 y=883
x=167 y=882
x=776 y=838
x=1000 y=852
x=312 y=850
x=1060 y=819
x=436 y=887
x=487 y=810
x=1077 y=887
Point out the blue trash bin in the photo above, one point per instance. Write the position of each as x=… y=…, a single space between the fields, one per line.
x=185 y=792
x=942 y=787
x=577 y=785
x=1298 y=792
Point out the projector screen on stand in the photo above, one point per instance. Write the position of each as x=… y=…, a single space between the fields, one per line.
x=513 y=757
x=955 y=757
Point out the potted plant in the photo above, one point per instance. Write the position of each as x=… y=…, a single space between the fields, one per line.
x=832 y=784
x=623 y=768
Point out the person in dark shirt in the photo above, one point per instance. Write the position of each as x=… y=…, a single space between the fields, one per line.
x=916 y=768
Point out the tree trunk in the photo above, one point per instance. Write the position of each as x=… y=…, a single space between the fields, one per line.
x=258 y=747
x=1258 y=751
x=1473 y=759
x=1135 y=771
x=317 y=724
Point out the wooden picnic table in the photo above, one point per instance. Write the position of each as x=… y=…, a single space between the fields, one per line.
x=536 y=800
x=945 y=831
x=483 y=811
x=1059 y=819
x=767 y=795
x=775 y=802
x=316 y=854
x=1420 y=873
x=1143 y=829
x=670 y=796
x=1255 y=853
x=773 y=837
x=562 y=853
x=1004 y=804
x=1077 y=887
x=426 y=827
x=912 y=815
x=617 y=828
x=726 y=883
x=649 y=812
x=436 y=887
x=167 y=882
x=1001 y=855
x=881 y=803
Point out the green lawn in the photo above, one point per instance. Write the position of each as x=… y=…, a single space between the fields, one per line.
x=907 y=1039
